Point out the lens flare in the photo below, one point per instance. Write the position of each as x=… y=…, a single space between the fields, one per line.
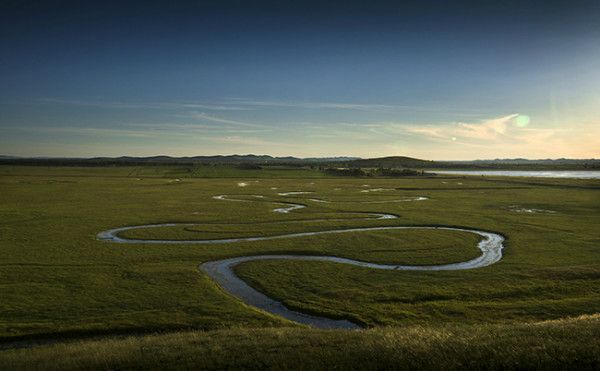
x=522 y=121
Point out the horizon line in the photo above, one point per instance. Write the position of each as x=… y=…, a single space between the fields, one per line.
x=4 y=157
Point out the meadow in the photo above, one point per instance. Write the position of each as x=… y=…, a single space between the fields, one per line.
x=59 y=282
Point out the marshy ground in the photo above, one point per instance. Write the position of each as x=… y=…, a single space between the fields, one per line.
x=59 y=281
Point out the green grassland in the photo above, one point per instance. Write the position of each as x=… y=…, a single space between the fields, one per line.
x=566 y=344
x=58 y=281
x=164 y=171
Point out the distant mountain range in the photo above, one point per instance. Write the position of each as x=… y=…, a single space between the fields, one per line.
x=353 y=162
x=226 y=159
x=168 y=160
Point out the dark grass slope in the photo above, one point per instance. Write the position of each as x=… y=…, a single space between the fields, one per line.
x=567 y=344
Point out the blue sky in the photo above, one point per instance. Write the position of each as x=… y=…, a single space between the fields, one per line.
x=429 y=79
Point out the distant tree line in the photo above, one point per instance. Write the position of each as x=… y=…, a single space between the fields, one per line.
x=387 y=166
x=102 y=162
x=359 y=172
x=398 y=172
x=248 y=166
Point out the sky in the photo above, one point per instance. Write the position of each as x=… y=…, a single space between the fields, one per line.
x=438 y=80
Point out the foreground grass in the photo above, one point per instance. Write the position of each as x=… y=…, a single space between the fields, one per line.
x=554 y=345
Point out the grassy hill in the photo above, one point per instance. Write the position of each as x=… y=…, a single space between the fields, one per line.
x=564 y=344
x=392 y=162
x=497 y=164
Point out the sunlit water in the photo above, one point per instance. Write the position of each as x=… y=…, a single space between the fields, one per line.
x=533 y=173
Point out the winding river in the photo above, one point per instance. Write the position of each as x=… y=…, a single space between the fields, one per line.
x=222 y=271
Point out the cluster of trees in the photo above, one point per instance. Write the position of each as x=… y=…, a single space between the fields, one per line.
x=248 y=166
x=359 y=172
x=398 y=172
x=345 y=171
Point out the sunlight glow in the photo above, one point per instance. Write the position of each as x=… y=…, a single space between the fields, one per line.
x=522 y=121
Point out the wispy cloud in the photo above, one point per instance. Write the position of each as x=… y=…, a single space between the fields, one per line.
x=486 y=130
x=231 y=105
x=146 y=105
x=368 y=107
x=96 y=131
x=92 y=103
x=207 y=106
x=247 y=141
x=503 y=136
x=222 y=120
x=237 y=105
x=243 y=104
x=314 y=105
x=200 y=127
x=215 y=127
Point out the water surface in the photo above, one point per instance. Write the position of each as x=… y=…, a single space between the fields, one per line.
x=573 y=174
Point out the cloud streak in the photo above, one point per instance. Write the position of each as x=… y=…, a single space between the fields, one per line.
x=487 y=130
x=221 y=120
x=314 y=105
x=243 y=104
x=145 y=105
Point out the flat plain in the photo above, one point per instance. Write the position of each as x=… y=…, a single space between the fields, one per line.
x=59 y=282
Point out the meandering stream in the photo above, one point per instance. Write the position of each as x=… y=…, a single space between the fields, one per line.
x=222 y=271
